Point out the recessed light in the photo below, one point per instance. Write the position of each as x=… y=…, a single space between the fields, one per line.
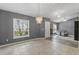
x=58 y=16
x=64 y=20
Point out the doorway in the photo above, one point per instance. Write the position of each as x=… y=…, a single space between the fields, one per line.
x=76 y=31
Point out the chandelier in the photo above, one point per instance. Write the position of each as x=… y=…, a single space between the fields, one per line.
x=39 y=18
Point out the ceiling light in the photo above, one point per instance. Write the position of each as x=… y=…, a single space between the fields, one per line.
x=39 y=19
x=58 y=16
x=64 y=20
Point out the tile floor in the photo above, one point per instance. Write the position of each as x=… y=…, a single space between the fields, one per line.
x=41 y=46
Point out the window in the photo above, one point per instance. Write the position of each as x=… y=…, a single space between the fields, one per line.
x=20 y=28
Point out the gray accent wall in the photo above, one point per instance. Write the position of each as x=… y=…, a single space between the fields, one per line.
x=42 y=26
x=68 y=26
x=6 y=27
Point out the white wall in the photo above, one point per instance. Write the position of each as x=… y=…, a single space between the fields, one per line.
x=47 y=29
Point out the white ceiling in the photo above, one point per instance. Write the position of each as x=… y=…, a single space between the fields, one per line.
x=57 y=12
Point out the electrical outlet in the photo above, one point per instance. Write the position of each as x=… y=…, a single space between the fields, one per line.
x=7 y=40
